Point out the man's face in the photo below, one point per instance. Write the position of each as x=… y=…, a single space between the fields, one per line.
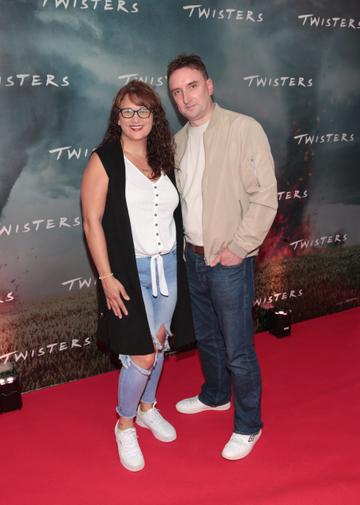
x=192 y=94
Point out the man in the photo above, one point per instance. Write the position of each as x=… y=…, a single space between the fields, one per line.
x=228 y=192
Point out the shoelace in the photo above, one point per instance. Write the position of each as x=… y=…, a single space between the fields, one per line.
x=129 y=440
x=156 y=417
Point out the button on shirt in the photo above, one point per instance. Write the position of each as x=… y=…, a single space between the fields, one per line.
x=151 y=207
x=190 y=176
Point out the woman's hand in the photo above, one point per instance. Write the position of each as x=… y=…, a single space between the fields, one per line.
x=115 y=294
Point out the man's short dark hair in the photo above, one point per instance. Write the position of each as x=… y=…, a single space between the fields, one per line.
x=187 y=60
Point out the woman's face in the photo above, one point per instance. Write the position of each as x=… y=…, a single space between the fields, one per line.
x=137 y=127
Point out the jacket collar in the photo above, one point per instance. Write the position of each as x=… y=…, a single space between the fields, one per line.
x=215 y=117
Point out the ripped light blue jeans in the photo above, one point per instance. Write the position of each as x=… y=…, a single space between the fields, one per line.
x=136 y=383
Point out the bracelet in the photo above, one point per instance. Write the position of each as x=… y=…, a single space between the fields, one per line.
x=101 y=277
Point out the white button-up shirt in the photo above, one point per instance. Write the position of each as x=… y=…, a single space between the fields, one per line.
x=151 y=206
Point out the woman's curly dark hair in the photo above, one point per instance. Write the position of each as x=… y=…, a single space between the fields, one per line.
x=160 y=145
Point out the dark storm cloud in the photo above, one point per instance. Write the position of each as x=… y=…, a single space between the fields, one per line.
x=92 y=48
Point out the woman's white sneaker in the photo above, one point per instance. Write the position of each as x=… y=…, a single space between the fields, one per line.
x=239 y=446
x=130 y=453
x=193 y=406
x=154 y=421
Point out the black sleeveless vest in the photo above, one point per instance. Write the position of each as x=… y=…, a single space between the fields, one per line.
x=131 y=334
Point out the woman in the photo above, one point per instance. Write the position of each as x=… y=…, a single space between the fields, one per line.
x=132 y=223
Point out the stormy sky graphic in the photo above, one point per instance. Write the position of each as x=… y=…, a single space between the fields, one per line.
x=90 y=49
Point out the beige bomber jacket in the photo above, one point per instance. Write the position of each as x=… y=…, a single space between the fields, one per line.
x=239 y=188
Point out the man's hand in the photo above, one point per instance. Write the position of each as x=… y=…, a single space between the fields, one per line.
x=226 y=258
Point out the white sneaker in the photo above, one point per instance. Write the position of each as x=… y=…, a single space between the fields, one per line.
x=239 y=446
x=129 y=451
x=154 y=421
x=194 y=405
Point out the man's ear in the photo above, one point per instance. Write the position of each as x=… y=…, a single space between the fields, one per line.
x=210 y=86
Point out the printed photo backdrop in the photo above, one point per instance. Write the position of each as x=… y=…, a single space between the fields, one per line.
x=291 y=64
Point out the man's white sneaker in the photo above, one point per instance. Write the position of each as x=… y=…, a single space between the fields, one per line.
x=194 y=405
x=129 y=451
x=239 y=446
x=154 y=421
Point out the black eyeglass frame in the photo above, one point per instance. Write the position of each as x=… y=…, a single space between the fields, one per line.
x=135 y=112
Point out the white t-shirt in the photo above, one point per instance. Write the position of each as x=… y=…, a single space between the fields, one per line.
x=191 y=173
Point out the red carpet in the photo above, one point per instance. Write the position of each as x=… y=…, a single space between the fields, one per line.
x=60 y=449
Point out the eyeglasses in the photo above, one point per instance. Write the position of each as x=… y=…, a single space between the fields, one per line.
x=142 y=113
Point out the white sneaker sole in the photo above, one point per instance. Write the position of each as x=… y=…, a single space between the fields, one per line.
x=132 y=468
x=157 y=435
x=235 y=458
x=205 y=408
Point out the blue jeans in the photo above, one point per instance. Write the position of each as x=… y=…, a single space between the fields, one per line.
x=160 y=308
x=222 y=299
x=136 y=383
